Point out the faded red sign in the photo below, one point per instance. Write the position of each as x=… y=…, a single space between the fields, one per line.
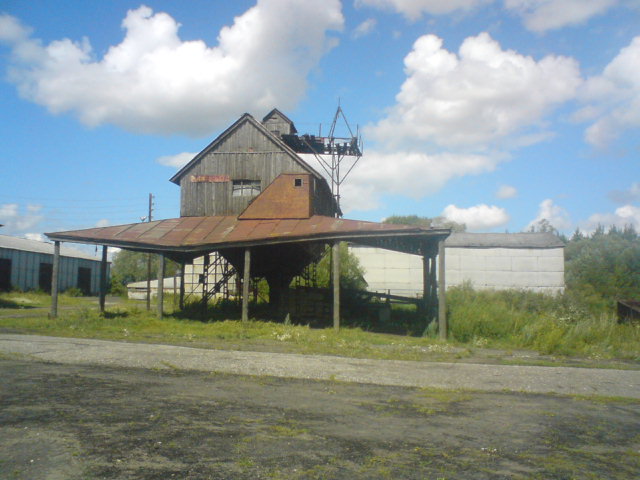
x=210 y=178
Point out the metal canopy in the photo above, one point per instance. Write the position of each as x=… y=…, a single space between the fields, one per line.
x=193 y=236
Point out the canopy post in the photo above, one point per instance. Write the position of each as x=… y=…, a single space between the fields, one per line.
x=335 y=260
x=103 y=278
x=245 y=284
x=160 y=285
x=442 y=304
x=181 y=301
x=55 y=277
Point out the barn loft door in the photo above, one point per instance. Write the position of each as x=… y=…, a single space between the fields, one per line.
x=5 y=274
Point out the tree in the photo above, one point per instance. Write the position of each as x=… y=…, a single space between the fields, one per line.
x=605 y=264
x=351 y=272
x=436 y=222
x=128 y=266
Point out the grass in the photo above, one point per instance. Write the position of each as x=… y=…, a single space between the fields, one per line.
x=480 y=322
x=557 y=325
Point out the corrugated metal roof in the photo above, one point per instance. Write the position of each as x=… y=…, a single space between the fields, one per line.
x=504 y=240
x=201 y=234
x=22 y=244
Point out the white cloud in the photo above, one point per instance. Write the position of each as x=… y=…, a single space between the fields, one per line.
x=621 y=217
x=408 y=173
x=480 y=97
x=537 y=15
x=177 y=161
x=365 y=28
x=414 y=9
x=626 y=196
x=557 y=216
x=613 y=98
x=478 y=217
x=103 y=223
x=35 y=236
x=16 y=221
x=543 y=15
x=506 y=191
x=154 y=82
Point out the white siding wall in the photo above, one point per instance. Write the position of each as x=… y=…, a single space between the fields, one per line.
x=537 y=269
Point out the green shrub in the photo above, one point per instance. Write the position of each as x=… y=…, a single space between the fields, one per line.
x=551 y=324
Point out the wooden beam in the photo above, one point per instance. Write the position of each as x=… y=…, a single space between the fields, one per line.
x=246 y=278
x=160 y=296
x=55 y=279
x=442 y=304
x=181 y=302
x=426 y=287
x=335 y=260
x=103 y=278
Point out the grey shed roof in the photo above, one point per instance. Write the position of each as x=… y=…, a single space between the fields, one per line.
x=504 y=240
x=22 y=244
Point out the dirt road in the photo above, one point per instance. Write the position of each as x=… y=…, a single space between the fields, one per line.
x=90 y=421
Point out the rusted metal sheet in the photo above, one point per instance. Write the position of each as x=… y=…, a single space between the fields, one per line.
x=193 y=234
x=288 y=196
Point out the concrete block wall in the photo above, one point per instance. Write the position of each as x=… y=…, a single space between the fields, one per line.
x=535 y=269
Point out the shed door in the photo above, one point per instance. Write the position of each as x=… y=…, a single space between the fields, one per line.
x=45 y=276
x=84 y=280
x=5 y=274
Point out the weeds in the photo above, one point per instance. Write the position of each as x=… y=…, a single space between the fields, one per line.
x=553 y=325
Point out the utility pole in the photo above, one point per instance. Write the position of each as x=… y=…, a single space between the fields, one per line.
x=149 y=258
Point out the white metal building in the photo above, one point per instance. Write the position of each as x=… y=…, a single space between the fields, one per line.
x=529 y=261
x=28 y=265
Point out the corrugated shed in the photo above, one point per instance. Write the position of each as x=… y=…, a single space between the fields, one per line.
x=22 y=244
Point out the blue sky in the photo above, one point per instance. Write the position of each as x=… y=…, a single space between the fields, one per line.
x=494 y=113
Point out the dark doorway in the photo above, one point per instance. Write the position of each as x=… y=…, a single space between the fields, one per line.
x=45 y=276
x=5 y=274
x=84 y=280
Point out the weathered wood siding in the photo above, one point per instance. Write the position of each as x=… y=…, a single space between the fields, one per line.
x=246 y=154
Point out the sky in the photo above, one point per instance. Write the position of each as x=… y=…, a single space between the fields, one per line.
x=492 y=113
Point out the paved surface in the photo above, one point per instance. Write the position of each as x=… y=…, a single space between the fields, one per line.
x=531 y=379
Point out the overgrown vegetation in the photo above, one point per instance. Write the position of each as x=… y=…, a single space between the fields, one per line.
x=559 y=325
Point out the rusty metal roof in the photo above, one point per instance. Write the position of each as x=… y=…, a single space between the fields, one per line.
x=202 y=234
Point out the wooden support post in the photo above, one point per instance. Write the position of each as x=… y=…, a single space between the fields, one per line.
x=55 y=277
x=103 y=278
x=426 y=287
x=245 y=284
x=181 y=302
x=160 y=285
x=442 y=304
x=148 y=282
x=335 y=249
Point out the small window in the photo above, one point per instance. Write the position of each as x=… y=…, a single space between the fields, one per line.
x=245 y=188
x=297 y=182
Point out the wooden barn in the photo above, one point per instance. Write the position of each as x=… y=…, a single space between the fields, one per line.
x=253 y=208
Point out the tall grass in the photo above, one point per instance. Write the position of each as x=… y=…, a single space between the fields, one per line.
x=560 y=324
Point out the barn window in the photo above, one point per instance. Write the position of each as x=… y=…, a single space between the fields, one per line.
x=297 y=182
x=245 y=188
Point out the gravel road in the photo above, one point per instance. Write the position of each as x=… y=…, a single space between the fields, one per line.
x=491 y=378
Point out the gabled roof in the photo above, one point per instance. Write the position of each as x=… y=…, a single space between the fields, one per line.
x=275 y=111
x=35 y=246
x=245 y=118
x=504 y=240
